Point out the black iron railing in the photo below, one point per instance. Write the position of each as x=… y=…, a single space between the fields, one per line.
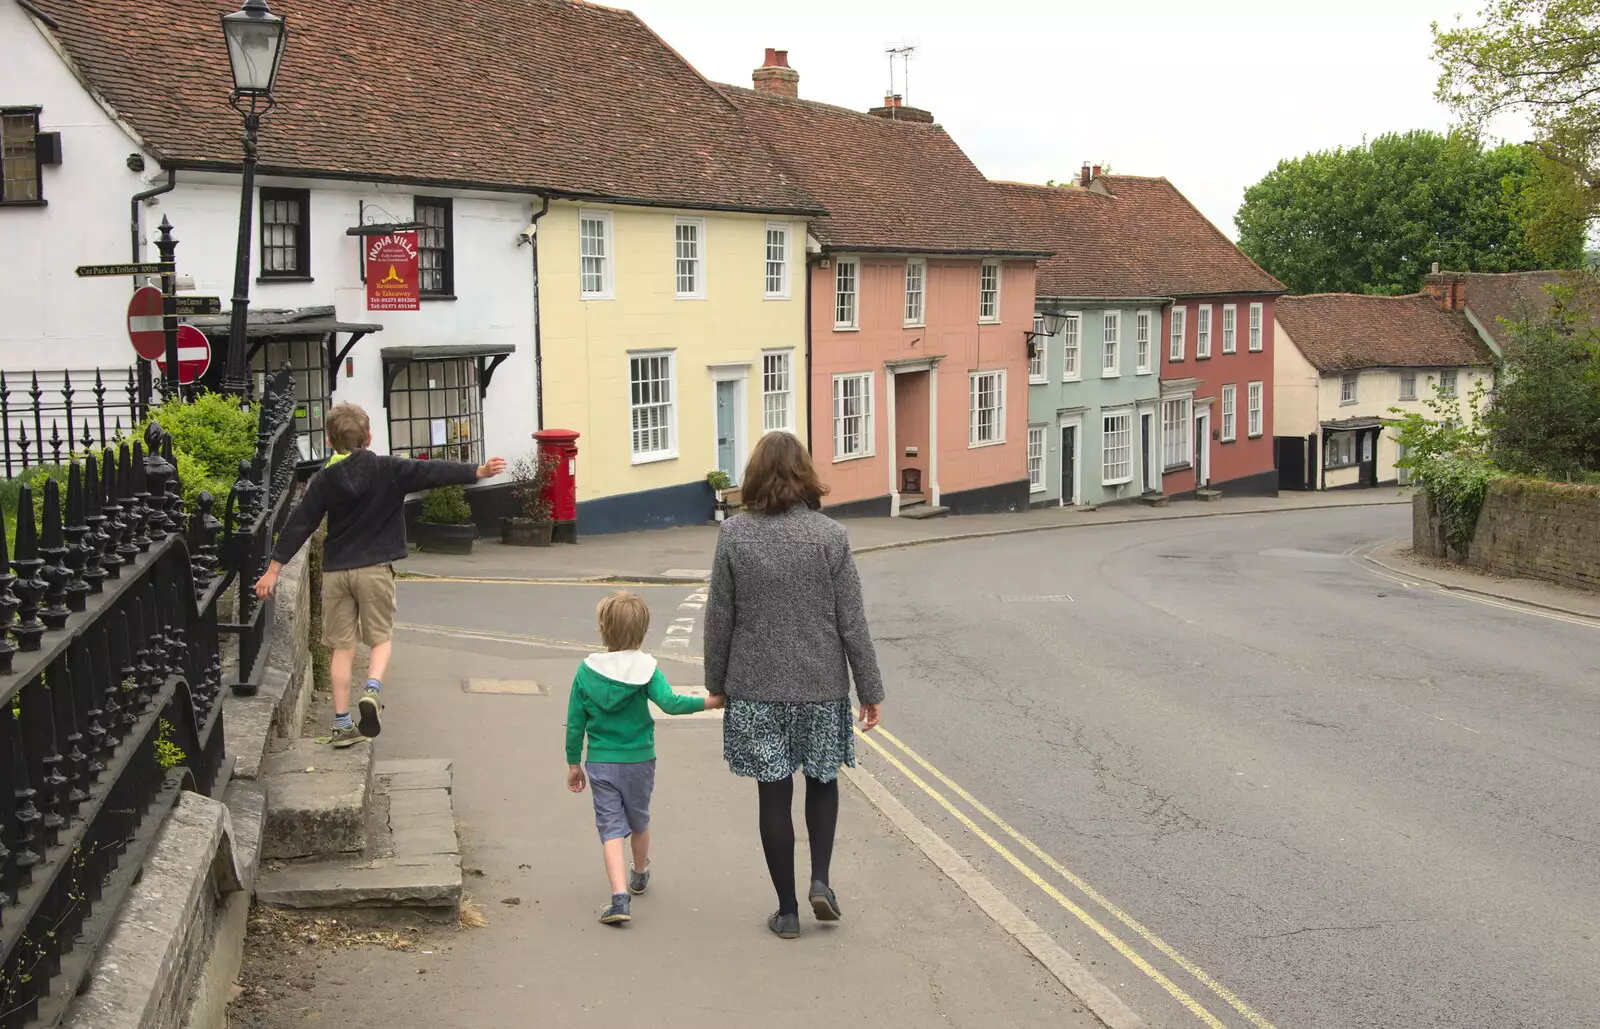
x=47 y=416
x=111 y=677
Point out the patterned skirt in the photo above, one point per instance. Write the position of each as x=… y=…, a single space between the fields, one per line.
x=769 y=740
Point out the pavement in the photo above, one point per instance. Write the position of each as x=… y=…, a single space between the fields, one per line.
x=684 y=554
x=913 y=948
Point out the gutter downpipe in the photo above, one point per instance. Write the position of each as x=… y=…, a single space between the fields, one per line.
x=538 y=347
x=811 y=405
x=134 y=222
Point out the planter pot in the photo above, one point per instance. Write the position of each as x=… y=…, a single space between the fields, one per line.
x=447 y=539
x=525 y=532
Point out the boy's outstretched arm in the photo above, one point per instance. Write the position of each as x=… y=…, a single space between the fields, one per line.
x=303 y=521
x=413 y=476
x=672 y=703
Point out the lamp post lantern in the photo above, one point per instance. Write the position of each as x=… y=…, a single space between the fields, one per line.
x=256 y=39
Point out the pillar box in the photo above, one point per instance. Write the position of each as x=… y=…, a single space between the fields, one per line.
x=562 y=445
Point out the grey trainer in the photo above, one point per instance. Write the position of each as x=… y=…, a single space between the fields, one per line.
x=369 y=709
x=343 y=738
x=638 y=881
x=617 y=912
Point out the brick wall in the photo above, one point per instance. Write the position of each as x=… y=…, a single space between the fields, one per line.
x=1536 y=530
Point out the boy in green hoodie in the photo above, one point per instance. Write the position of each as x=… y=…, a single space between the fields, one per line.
x=610 y=705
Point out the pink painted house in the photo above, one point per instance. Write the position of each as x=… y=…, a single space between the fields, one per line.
x=921 y=291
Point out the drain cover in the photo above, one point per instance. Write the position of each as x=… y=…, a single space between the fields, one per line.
x=521 y=687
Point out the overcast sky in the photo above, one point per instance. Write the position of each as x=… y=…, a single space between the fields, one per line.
x=1211 y=95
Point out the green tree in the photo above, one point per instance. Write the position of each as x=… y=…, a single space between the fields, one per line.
x=1374 y=218
x=1545 y=419
x=1540 y=58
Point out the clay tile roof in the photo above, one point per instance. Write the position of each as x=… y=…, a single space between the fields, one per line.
x=901 y=186
x=1142 y=239
x=568 y=98
x=1512 y=296
x=1340 y=332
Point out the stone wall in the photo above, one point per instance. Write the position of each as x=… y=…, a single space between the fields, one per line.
x=1427 y=530
x=1539 y=530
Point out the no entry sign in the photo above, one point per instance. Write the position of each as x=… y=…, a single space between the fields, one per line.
x=194 y=355
x=145 y=324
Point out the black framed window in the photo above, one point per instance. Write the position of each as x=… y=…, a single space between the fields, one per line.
x=309 y=360
x=436 y=411
x=285 y=233
x=20 y=181
x=436 y=257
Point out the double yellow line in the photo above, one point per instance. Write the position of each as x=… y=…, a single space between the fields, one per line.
x=1121 y=946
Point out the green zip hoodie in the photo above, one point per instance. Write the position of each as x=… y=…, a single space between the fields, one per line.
x=609 y=704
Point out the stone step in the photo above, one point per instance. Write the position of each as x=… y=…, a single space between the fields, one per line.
x=412 y=858
x=1154 y=499
x=316 y=799
x=1208 y=494
x=921 y=511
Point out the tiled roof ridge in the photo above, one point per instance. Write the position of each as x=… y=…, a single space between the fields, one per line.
x=1204 y=220
x=827 y=108
x=1364 y=296
x=1513 y=275
x=1071 y=189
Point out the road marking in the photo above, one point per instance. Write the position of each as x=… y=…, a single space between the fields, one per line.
x=1121 y=946
x=1370 y=564
x=500 y=637
x=608 y=584
x=1222 y=992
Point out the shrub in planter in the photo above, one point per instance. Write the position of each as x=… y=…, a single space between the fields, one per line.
x=720 y=483
x=533 y=523
x=447 y=526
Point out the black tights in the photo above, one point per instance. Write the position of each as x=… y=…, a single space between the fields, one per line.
x=777 y=833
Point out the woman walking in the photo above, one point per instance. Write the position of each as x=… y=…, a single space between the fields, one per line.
x=785 y=632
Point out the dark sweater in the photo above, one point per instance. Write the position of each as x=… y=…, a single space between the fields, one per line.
x=363 y=497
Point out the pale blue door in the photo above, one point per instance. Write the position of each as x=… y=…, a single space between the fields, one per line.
x=727 y=430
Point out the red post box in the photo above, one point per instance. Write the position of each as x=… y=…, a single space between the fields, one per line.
x=562 y=445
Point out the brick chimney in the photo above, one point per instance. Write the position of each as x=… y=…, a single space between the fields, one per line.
x=1449 y=288
x=894 y=108
x=775 y=75
x=1086 y=176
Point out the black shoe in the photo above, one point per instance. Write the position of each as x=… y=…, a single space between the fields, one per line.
x=787 y=926
x=617 y=913
x=370 y=707
x=824 y=903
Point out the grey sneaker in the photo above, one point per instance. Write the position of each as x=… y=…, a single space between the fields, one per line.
x=824 y=903
x=343 y=738
x=370 y=706
x=787 y=926
x=617 y=912
x=638 y=881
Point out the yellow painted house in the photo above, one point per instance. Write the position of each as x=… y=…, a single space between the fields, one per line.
x=672 y=339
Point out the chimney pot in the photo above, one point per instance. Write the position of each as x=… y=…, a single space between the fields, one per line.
x=1436 y=267
x=775 y=75
x=1086 y=176
x=1097 y=171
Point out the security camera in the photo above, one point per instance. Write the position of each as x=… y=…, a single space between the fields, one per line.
x=527 y=234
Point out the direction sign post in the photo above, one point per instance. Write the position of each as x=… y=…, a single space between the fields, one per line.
x=100 y=271
x=189 y=307
x=168 y=248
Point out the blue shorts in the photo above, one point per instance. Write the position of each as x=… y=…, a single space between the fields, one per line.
x=621 y=796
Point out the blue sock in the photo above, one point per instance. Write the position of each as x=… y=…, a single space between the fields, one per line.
x=374 y=685
x=343 y=721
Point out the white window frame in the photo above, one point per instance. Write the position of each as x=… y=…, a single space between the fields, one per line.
x=1177 y=345
x=1230 y=328
x=1037 y=465
x=867 y=415
x=1349 y=386
x=1116 y=475
x=999 y=422
x=1452 y=384
x=1143 y=341
x=1408 y=394
x=1257 y=423
x=1229 y=427
x=1256 y=328
x=1176 y=436
x=697 y=262
x=608 y=257
x=854 y=267
x=1072 y=346
x=1111 y=346
x=670 y=423
x=770 y=378
x=1041 y=353
x=783 y=262
x=1202 y=332
x=918 y=317
x=983 y=270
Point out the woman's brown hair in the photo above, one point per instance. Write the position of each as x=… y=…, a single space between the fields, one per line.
x=780 y=475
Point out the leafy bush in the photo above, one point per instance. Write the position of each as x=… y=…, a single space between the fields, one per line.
x=446 y=505
x=1545 y=420
x=1447 y=456
x=210 y=436
x=530 y=485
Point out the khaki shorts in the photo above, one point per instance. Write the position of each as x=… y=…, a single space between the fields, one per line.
x=357 y=606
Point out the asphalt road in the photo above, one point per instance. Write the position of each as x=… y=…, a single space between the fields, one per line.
x=1343 y=801
x=1247 y=780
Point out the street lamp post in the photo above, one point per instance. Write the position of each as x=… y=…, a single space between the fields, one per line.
x=256 y=39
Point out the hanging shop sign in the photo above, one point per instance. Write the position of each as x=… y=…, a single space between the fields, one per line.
x=393 y=283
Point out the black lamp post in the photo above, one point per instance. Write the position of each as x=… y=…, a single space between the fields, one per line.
x=256 y=39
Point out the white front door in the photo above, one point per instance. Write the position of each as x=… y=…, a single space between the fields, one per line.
x=1202 y=449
